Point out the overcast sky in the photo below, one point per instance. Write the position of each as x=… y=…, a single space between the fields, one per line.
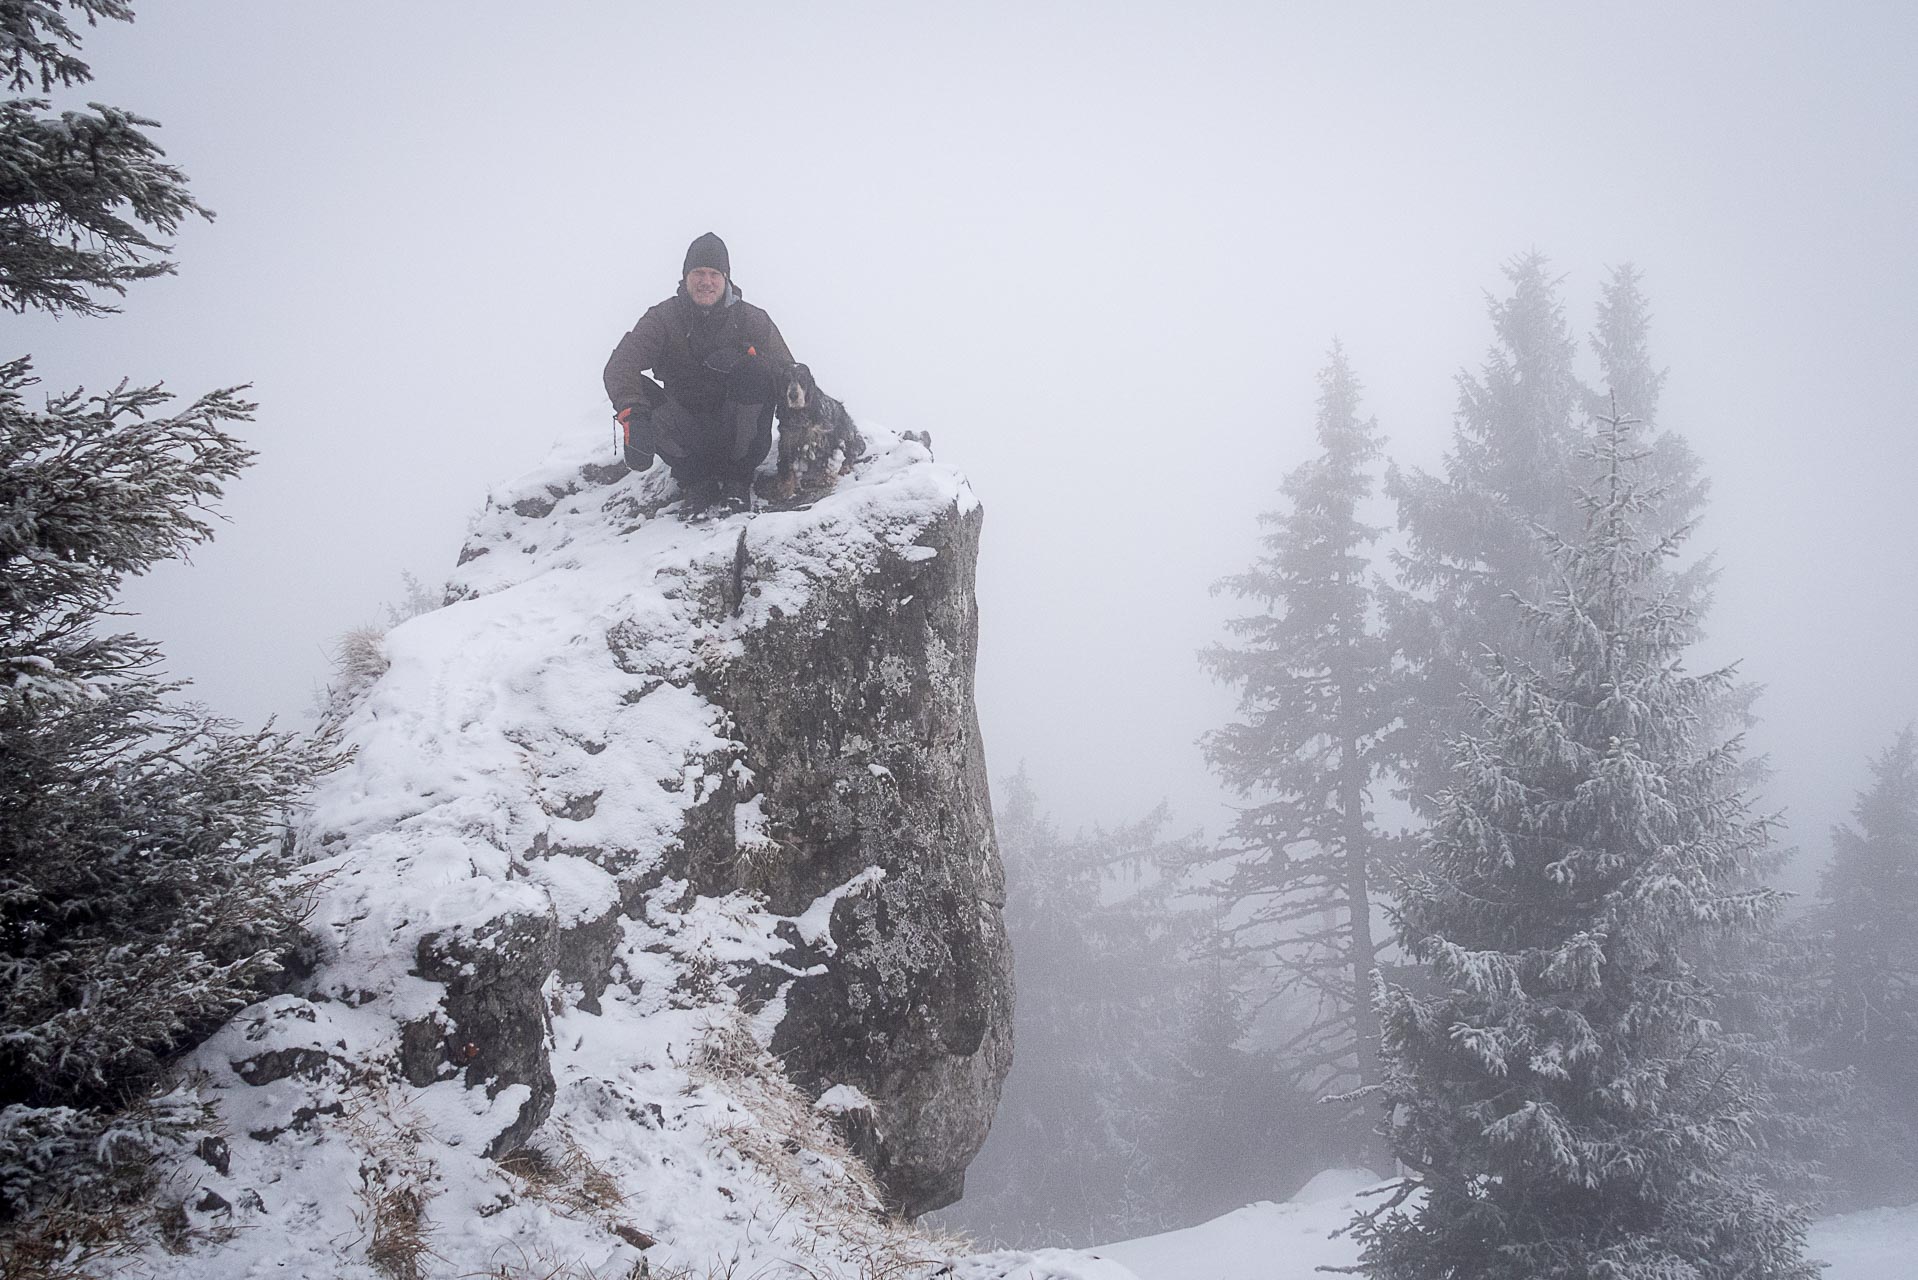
x=1098 y=250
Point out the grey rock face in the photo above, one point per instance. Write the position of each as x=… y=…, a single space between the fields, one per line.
x=493 y=1000
x=851 y=727
x=857 y=721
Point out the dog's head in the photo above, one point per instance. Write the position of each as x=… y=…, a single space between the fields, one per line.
x=801 y=390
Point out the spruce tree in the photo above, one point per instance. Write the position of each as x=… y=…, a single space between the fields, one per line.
x=1868 y=1023
x=1313 y=676
x=142 y=867
x=1754 y=975
x=1630 y=385
x=1096 y=1000
x=1470 y=533
x=1622 y=341
x=1561 y=1088
x=85 y=195
x=1470 y=543
x=1130 y=1107
x=1227 y=1123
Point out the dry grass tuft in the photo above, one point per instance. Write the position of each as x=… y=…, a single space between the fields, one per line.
x=395 y=1182
x=538 y=1265
x=83 y=1239
x=830 y=1200
x=64 y=1243
x=394 y=1220
x=567 y=1178
x=787 y=1138
x=562 y=1174
x=359 y=655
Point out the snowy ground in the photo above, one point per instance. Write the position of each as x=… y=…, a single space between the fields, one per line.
x=1291 y=1241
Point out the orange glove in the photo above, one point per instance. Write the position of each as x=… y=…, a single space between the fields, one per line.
x=636 y=436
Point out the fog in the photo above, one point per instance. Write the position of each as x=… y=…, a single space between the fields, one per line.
x=1099 y=251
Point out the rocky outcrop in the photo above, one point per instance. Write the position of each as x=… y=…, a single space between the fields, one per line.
x=494 y=1004
x=857 y=722
x=657 y=838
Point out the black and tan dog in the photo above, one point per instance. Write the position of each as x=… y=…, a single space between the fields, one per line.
x=813 y=429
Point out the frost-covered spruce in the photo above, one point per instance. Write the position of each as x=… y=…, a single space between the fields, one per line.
x=1469 y=531
x=87 y=191
x=139 y=890
x=1315 y=702
x=140 y=898
x=1134 y=1109
x=1513 y=467
x=1559 y=1087
x=1867 y=1017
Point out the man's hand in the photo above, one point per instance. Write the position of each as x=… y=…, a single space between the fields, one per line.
x=636 y=435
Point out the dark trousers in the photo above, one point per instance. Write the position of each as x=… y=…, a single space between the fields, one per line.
x=722 y=445
x=726 y=444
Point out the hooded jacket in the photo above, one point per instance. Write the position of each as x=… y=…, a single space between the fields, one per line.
x=674 y=340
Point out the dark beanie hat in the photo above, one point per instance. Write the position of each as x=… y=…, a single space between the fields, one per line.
x=708 y=251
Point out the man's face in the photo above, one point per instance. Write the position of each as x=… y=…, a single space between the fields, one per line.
x=705 y=285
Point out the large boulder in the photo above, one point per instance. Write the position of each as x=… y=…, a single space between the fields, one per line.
x=857 y=721
x=665 y=854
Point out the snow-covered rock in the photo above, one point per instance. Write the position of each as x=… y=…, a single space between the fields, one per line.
x=662 y=871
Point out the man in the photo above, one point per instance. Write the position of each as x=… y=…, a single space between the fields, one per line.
x=720 y=362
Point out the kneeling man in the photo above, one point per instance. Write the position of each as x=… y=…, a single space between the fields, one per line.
x=720 y=362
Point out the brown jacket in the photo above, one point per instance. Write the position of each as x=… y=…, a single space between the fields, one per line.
x=674 y=340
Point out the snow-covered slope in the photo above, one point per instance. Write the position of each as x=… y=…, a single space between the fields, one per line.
x=560 y=913
x=1876 y=1244
x=1291 y=1241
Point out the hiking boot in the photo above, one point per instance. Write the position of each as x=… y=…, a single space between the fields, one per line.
x=698 y=497
x=737 y=494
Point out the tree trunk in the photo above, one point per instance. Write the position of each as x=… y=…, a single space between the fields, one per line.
x=1358 y=904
